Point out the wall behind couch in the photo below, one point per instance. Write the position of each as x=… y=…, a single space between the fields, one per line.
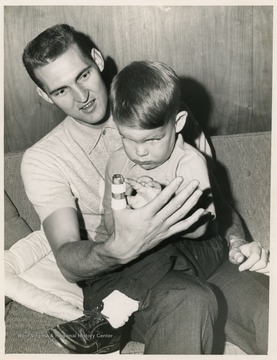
x=222 y=54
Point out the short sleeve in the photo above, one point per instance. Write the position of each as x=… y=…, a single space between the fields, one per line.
x=194 y=166
x=45 y=183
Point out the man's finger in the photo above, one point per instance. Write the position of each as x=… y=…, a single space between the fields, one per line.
x=253 y=259
x=182 y=205
x=178 y=204
x=262 y=262
x=266 y=270
x=185 y=224
x=236 y=256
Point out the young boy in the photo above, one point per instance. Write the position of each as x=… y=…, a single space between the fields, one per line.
x=145 y=100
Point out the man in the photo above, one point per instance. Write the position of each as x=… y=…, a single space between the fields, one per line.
x=64 y=178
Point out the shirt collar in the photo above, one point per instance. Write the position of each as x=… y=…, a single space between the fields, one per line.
x=88 y=136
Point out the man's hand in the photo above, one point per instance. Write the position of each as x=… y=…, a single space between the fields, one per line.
x=137 y=231
x=251 y=256
x=146 y=190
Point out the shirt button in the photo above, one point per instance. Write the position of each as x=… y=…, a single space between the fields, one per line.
x=104 y=132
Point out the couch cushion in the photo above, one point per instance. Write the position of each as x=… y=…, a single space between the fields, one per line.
x=15 y=226
x=33 y=279
x=26 y=331
x=243 y=171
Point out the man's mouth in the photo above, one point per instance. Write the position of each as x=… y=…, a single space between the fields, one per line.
x=88 y=107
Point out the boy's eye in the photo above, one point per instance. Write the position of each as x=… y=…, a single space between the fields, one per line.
x=125 y=139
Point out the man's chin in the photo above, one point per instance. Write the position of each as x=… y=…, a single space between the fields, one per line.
x=91 y=120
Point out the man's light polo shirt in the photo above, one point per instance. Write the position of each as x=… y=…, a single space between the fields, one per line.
x=66 y=168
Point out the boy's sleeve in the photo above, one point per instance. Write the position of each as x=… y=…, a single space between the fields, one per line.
x=194 y=166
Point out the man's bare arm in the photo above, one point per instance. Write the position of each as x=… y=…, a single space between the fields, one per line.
x=136 y=231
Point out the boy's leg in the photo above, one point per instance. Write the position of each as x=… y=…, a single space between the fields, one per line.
x=243 y=299
x=206 y=254
x=95 y=333
x=134 y=280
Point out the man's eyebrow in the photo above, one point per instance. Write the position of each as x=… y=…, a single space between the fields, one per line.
x=84 y=70
x=76 y=78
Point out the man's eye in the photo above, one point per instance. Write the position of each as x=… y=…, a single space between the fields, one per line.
x=153 y=140
x=60 y=92
x=85 y=76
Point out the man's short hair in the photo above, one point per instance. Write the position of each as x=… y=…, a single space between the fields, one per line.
x=145 y=95
x=49 y=45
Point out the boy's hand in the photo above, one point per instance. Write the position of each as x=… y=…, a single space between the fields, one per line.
x=146 y=190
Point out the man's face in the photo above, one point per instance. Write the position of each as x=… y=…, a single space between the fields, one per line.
x=148 y=148
x=74 y=83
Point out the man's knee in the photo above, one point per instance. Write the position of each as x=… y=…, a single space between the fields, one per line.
x=184 y=291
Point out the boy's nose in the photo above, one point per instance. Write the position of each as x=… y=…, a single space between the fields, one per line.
x=142 y=150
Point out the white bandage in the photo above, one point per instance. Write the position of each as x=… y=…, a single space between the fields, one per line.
x=118 y=192
x=118 y=307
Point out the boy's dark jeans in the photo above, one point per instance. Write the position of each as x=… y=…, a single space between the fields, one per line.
x=193 y=257
x=181 y=310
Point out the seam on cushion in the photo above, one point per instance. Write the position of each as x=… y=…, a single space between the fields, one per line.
x=242 y=135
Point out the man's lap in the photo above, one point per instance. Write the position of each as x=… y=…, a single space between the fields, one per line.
x=243 y=299
x=137 y=277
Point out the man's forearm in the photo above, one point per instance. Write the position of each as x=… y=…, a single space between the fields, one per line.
x=235 y=230
x=82 y=260
x=230 y=225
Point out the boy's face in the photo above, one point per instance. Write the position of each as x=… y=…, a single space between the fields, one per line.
x=74 y=83
x=148 y=148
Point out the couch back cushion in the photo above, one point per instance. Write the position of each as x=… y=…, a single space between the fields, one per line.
x=15 y=190
x=243 y=172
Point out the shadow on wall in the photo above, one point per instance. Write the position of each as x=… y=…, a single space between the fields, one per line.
x=198 y=103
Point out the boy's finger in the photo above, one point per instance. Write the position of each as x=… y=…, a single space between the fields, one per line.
x=159 y=202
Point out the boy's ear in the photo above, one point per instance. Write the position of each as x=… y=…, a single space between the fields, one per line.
x=98 y=58
x=44 y=95
x=180 y=121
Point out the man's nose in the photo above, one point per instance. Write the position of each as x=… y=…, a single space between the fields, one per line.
x=141 y=150
x=81 y=94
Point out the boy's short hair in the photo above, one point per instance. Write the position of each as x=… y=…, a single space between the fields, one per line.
x=145 y=94
x=49 y=45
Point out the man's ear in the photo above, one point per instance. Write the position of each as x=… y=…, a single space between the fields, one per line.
x=180 y=121
x=44 y=95
x=98 y=58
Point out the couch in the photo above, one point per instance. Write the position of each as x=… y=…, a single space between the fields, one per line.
x=243 y=170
